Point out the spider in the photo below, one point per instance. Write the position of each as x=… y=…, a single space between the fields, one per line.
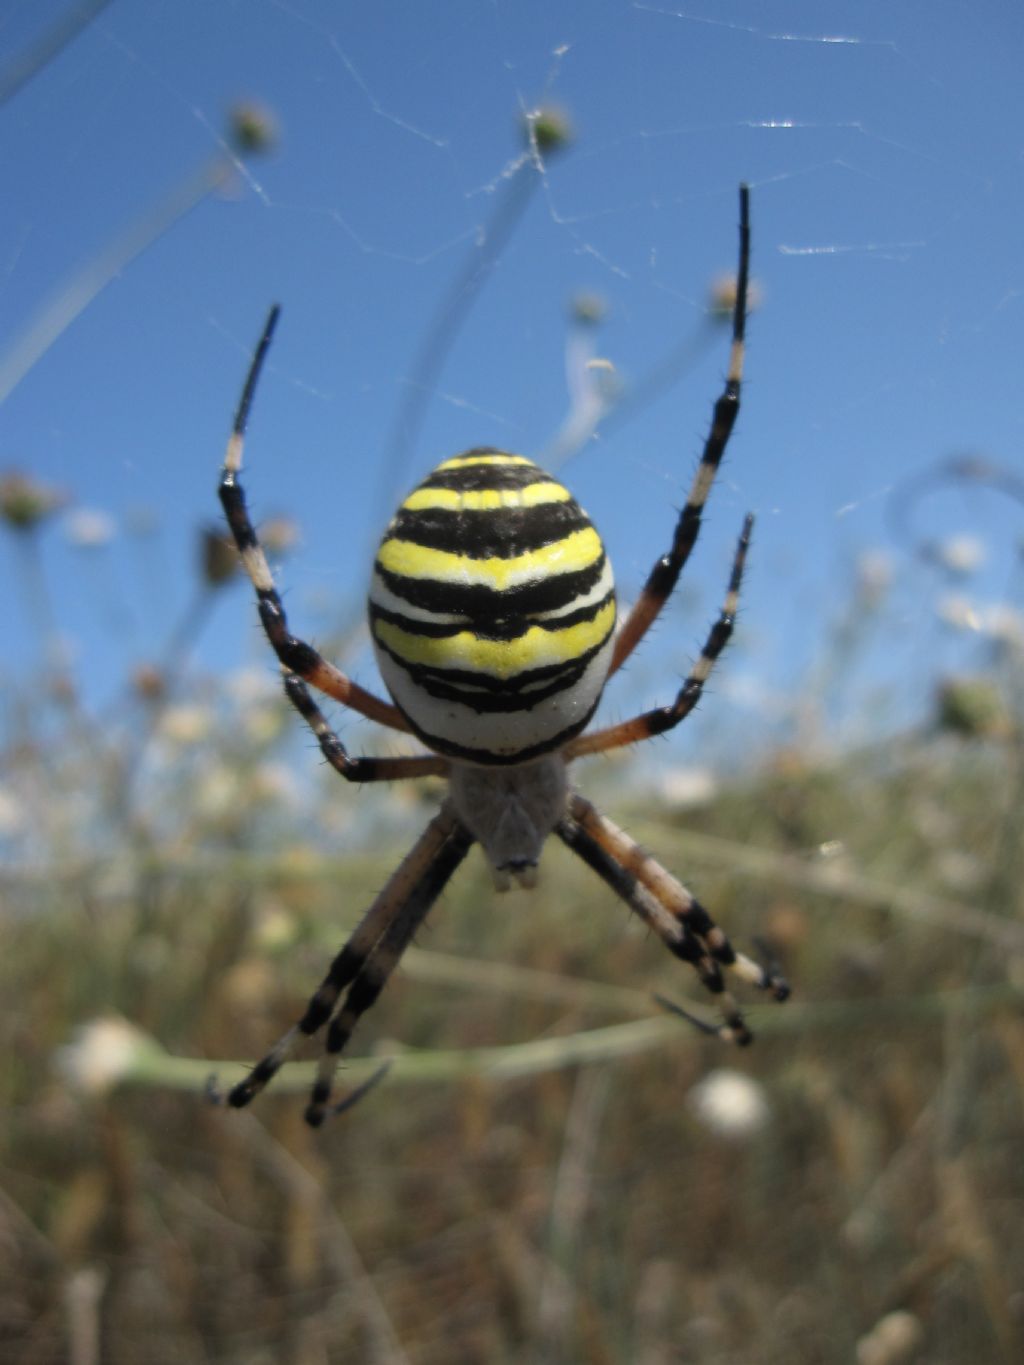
x=492 y=612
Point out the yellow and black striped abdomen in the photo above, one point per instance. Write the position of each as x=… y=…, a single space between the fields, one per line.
x=492 y=609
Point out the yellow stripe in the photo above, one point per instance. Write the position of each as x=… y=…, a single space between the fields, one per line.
x=462 y=461
x=485 y=499
x=535 y=648
x=576 y=551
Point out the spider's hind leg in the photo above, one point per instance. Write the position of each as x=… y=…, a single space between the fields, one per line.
x=664 y=904
x=366 y=961
x=373 y=975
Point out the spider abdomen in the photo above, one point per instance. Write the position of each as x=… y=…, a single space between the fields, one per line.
x=492 y=609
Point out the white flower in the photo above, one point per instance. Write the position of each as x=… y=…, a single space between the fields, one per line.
x=219 y=792
x=729 y=1103
x=12 y=817
x=958 y=611
x=874 y=576
x=688 y=786
x=960 y=555
x=101 y=1055
x=89 y=529
x=1004 y=624
x=893 y=1338
x=186 y=724
x=263 y=724
x=252 y=686
x=273 y=782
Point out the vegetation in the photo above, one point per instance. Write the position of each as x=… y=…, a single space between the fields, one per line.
x=554 y=1170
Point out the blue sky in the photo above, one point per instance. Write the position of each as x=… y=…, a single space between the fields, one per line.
x=883 y=145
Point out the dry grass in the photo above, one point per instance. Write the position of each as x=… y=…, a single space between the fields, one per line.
x=557 y=1211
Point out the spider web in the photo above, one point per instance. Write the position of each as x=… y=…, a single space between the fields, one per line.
x=428 y=258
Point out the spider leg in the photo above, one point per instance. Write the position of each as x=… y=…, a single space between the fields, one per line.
x=414 y=882
x=670 y=1007
x=670 y=893
x=676 y=934
x=296 y=655
x=668 y=908
x=357 y=769
x=665 y=574
x=376 y=970
x=664 y=718
x=353 y=1097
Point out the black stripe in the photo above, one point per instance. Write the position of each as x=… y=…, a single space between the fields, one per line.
x=483 y=693
x=485 y=756
x=504 y=703
x=477 y=477
x=500 y=532
x=506 y=627
x=475 y=452
x=479 y=603
x=626 y=884
x=233 y=501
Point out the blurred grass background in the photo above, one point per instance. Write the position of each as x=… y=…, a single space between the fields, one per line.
x=553 y=1170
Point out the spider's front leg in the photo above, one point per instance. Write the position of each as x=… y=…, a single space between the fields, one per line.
x=357 y=769
x=664 y=718
x=665 y=575
x=296 y=655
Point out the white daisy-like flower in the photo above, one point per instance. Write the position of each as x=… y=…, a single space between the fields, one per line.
x=893 y=1339
x=219 y=792
x=688 y=786
x=960 y=555
x=1005 y=624
x=874 y=574
x=12 y=817
x=958 y=611
x=730 y=1103
x=253 y=686
x=186 y=724
x=87 y=528
x=101 y=1055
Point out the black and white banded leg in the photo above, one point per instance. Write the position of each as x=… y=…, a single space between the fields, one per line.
x=663 y=577
x=664 y=718
x=667 y=907
x=296 y=656
x=366 y=961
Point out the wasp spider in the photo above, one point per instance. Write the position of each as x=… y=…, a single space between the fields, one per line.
x=492 y=611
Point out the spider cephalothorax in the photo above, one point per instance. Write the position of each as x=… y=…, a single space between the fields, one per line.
x=492 y=612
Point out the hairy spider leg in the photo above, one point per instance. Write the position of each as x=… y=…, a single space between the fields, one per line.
x=664 y=718
x=404 y=885
x=675 y=933
x=296 y=655
x=670 y=893
x=376 y=970
x=665 y=906
x=665 y=574
x=357 y=769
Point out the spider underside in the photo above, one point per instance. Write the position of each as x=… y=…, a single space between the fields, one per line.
x=508 y=799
